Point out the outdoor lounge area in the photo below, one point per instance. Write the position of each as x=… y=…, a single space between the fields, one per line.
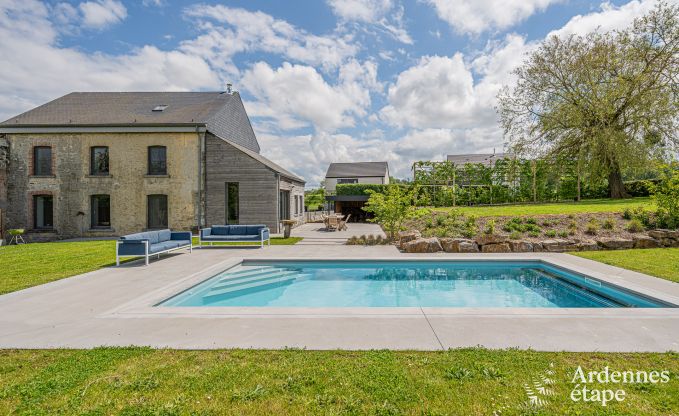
x=151 y=243
x=234 y=234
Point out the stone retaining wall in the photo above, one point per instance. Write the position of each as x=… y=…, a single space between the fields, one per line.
x=412 y=242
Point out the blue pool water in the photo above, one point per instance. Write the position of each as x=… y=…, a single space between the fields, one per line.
x=406 y=284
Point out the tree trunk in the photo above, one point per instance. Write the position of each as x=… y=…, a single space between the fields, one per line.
x=616 y=188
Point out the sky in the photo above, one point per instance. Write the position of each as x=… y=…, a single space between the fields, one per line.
x=322 y=80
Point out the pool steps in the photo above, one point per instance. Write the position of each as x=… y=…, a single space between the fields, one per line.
x=264 y=278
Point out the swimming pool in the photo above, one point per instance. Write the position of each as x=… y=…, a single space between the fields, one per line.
x=481 y=284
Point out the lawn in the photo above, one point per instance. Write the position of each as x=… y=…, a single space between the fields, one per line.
x=660 y=262
x=588 y=206
x=136 y=381
x=29 y=265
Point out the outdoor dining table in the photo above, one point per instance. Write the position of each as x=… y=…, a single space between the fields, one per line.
x=327 y=217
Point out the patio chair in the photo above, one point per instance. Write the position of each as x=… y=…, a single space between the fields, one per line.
x=343 y=223
x=333 y=223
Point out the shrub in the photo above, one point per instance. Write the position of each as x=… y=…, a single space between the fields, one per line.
x=563 y=233
x=550 y=233
x=608 y=224
x=392 y=207
x=531 y=227
x=534 y=233
x=490 y=227
x=440 y=220
x=592 y=228
x=643 y=187
x=515 y=235
x=666 y=196
x=635 y=226
x=530 y=220
x=627 y=213
x=360 y=188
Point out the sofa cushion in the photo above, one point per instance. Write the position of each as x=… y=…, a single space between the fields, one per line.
x=164 y=235
x=153 y=237
x=166 y=245
x=238 y=229
x=220 y=230
x=135 y=236
x=254 y=229
x=231 y=238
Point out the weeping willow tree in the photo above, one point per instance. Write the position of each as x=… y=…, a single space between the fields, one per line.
x=607 y=100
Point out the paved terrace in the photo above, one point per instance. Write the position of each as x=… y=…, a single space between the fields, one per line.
x=114 y=306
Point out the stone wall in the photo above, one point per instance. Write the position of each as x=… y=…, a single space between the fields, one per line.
x=128 y=183
x=4 y=166
x=412 y=242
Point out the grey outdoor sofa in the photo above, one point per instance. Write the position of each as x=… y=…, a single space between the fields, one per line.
x=235 y=234
x=149 y=243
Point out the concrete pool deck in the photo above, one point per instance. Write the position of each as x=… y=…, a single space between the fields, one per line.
x=113 y=306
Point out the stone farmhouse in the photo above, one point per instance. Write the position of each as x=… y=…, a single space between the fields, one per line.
x=94 y=164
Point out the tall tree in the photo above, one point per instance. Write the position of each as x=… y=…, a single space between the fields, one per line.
x=608 y=100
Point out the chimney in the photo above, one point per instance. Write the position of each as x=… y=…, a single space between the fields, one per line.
x=228 y=88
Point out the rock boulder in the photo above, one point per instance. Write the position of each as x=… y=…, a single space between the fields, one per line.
x=496 y=248
x=521 y=246
x=645 y=241
x=615 y=243
x=452 y=245
x=423 y=245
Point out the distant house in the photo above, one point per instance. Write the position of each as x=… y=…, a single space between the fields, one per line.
x=109 y=163
x=359 y=172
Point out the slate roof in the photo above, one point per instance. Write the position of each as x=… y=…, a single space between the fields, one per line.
x=487 y=159
x=221 y=113
x=357 y=170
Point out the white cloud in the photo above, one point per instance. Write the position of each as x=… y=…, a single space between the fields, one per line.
x=313 y=153
x=383 y=14
x=450 y=92
x=361 y=10
x=476 y=16
x=228 y=31
x=41 y=70
x=610 y=17
x=102 y=13
x=295 y=96
x=156 y=3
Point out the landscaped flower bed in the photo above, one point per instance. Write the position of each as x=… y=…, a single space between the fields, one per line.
x=455 y=232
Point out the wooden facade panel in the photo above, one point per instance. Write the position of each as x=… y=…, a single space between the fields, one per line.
x=258 y=185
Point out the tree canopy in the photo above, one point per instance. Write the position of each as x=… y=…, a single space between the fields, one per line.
x=607 y=100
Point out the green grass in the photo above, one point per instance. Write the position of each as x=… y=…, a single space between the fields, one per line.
x=135 y=381
x=588 y=206
x=659 y=262
x=29 y=265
